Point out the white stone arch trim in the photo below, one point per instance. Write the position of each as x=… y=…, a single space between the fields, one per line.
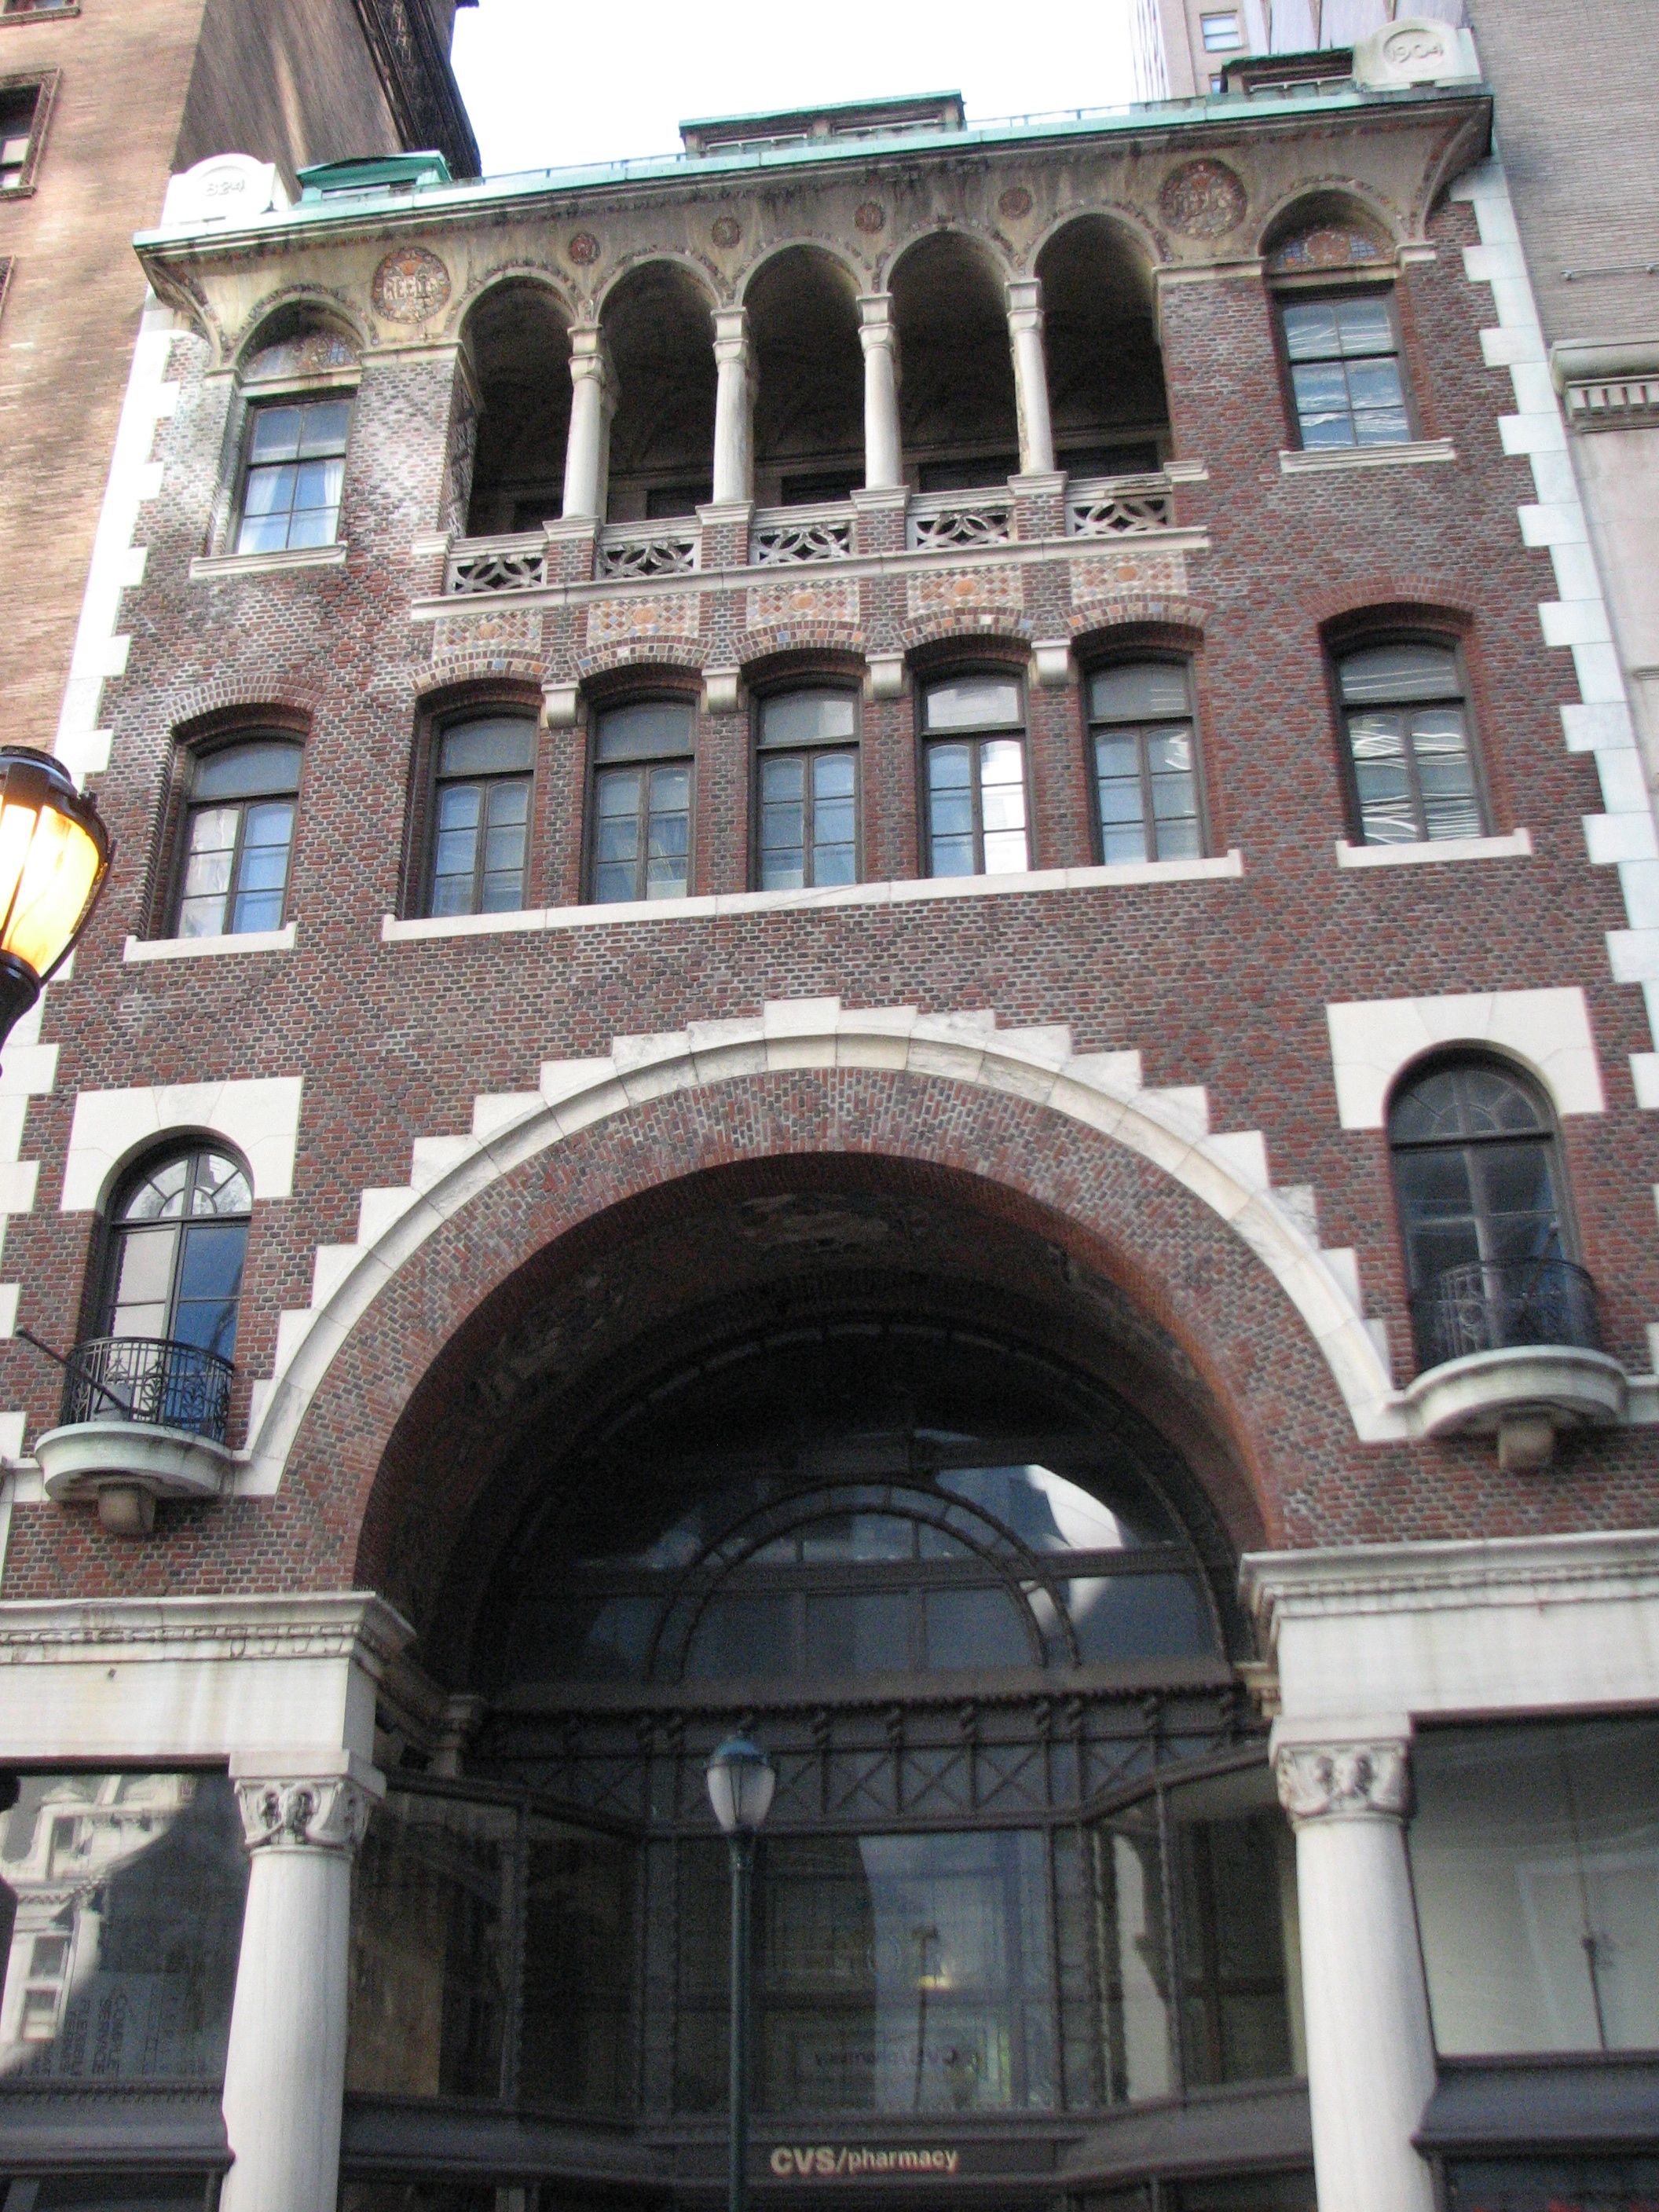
x=1548 y=1032
x=1102 y=1090
x=708 y=279
x=260 y=1119
x=857 y=275
x=1129 y=225
x=985 y=243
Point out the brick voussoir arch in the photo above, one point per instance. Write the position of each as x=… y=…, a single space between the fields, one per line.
x=1102 y=1093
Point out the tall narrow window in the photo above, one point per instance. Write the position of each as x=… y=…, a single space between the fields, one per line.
x=1478 y=1185
x=293 y=474
x=1344 y=353
x=973 y=756
x=1140 y=721
x=178 y=1238
x=482 y=815
x=807 y=775
x=18 y=110
x=1408 y=744
x=641 y=842
x=238 y=837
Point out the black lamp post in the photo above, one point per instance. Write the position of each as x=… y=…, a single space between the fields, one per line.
x=741 y=1780
x=54 y=857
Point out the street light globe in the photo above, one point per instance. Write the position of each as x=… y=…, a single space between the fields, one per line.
x=54 y=857
x=741 y=1779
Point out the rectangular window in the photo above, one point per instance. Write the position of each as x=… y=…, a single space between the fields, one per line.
x=1408 y=744
x=1535 y=1863
x=1141 y=730
x=136 y=1882
x=807 y=779
x=293 y=475
x=481 y=816
x=1344 y=355
x=975 y=781
x=642 y=840
x=238 y=837
x=1221 y=32
x=18 y=109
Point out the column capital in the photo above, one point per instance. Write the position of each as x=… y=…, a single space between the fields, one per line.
x=590 y=354
x=1025 y=302
x=318 y=1806
x=732 y=333
x=876 y=318
x=1367 y=1779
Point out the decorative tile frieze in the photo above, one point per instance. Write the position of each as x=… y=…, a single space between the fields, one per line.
x=495 y=630
x=613 y=622
x=953 y=590
x=821 y=600
x=1108 y=575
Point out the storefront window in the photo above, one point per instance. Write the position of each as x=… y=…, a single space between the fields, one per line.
x=1254 y=2192
x=1535 y=1859
x=125 y=1895
x=577 y=2052
x=1554 y=2185
x=103 y=2193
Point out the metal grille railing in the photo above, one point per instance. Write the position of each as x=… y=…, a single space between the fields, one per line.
x=1484 y=1306
x=150 y=1379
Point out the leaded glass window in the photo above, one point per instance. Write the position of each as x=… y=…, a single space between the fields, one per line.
x=1409 y=750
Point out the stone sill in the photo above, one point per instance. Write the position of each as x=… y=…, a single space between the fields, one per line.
x=208 y=568
x=1516 y=845
x=1316 y=460
x=205 y=948
x=57 y=14
x=732 y=903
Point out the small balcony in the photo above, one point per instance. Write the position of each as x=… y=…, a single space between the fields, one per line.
x=142 y=1418
x=1513 y=1349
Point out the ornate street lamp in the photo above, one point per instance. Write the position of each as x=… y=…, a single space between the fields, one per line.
x=54 y=858
x=741 y=1780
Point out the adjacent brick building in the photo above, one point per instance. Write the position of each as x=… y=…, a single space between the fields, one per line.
x=870 y=978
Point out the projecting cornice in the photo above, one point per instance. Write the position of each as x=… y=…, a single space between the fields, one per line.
x=418 y=81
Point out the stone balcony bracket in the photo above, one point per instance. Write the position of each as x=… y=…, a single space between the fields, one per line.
x=1525 y=1396
x=125 y=1465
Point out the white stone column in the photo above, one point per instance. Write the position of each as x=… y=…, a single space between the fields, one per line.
x=884 y=465
x=592 y=403
x=734 y=409
x=1036 y=436
x=302 y=1818
x=1370 y=2051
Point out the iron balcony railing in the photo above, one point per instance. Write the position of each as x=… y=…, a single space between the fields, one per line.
x=1484 y=1306
x=150 y=1379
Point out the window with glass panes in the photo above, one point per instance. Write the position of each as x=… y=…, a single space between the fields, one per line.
x=17 y=111
x=1408 y=744
x=480 y=815
x=293 y=474
x=642 y=835
x=807 y=779
x=238 y=835
x=973 y=776
x=1140 y=724
x=177 y=1241
x=1344 y=353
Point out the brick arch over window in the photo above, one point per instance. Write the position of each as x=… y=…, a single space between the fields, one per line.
x=1187 y=1220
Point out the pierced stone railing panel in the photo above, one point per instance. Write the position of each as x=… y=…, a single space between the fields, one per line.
x=497 y=564
x=629 y=550
x=948 y=521
x=1119 y=506
x=783 y=536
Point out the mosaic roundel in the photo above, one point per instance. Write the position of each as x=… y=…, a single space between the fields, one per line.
x=410 y=285
x=1202 y=199
x=726 y=230
x=583 y=249
x=1015 y=202
x=870 y=215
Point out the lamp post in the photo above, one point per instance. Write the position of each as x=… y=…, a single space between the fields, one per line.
x=741 y=1780
x=54 y=859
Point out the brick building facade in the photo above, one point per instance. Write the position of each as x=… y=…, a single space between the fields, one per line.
x=869 y=976
x=101 y=103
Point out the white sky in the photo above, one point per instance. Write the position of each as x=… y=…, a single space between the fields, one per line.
x=549 y=83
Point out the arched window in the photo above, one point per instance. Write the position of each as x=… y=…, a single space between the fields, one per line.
x=480 y=815
x=1409 y=753
x=239 y=833
x=641 y=838
x=974 y=773
x=298 y=387
x=1479 y=1183
x=177 y=1234
x=806 y=778
x=1140 y=724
